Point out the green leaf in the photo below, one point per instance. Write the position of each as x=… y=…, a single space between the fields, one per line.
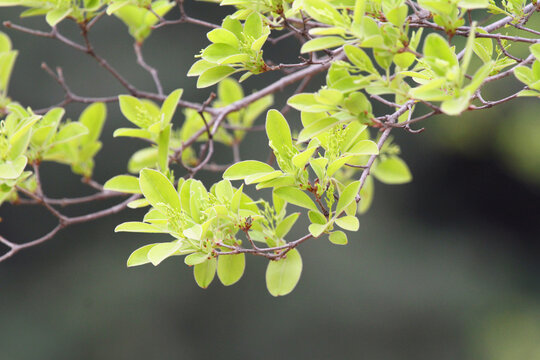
x=253 y=26
x=392 y=170
x=322 y=43
x=93 y=117
x=136 y=133
x=317 y=128
x=350 y=223
x=163 y=148
x=223 y=36
x=139 y=203
x=214 y=75
x=366 y=195
x=246 y=168
x=364 y=147
x=196 y=258
x=278 y=132
x=286 y=225
x=140 y=256
x=55 y=16
x=199 y=67
x=160 y=252
x=338 y=238
x=204 y=273
x=535 y=50
x=347 y=196
x=300 y=160
x=283 y=275
x=322 y=11
x=359 y=58
x=159 y=191
x=215 y=53
x=135 y=226
x=296 y=197
x=169 y=105
x=70 y=131
x=436 y=46
x=317 y=229
x=524 y=74
x=13 y=169
x=230 y=268
x=123 y=183
x=229 y=91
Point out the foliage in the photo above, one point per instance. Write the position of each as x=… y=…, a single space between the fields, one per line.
x=398 y=53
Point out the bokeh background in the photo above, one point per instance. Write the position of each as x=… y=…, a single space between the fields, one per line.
x=445 y=267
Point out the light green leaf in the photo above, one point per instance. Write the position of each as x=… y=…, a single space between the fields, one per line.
x=278 y=132
x=195 y=258
x=204 y=273
x=159 y=191
x=123 y=183
x=199 y=67
x=338 y=238
x=246 y=168
x=140 y=256
x=535 y=50
x=359 y=58
x=283 y=275
x=69 y=132
x=55 y=16
x=214 y=75
x=300 y=160
x=392 y=170
x=322 y=43
x=230 y=268
x=350 y=223
x=317 y=128
x=295 y=196
x=13 y=169
x=253 y=26
x=347 y=196
x=136 y=133
x=160 y=252
x=169 y=105
x=135 y=226
x=223 y=36
x=317 y=229
x=285 y=225
x=93 y=117
x=364 y=147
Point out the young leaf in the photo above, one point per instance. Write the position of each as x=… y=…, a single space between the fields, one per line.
x=230 y=268
x=317 y=229
x=295 y=196
x=169 y=105
x=246 y=168
x=338 y=238
x=135 y=226
x=347 y=196
x=140 y=256
x=392 y=170
x=286 y=225
x=283 y=275
x=322 y=43
x=214 y=75
x=350 y=223
x=204 y=273
x=123 y=183
x=159 y=191
x=160 y=252
x=278 y=131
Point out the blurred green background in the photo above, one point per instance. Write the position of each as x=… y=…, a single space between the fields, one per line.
x=445 y=267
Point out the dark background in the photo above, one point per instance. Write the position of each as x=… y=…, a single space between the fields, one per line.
x=445 y=267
